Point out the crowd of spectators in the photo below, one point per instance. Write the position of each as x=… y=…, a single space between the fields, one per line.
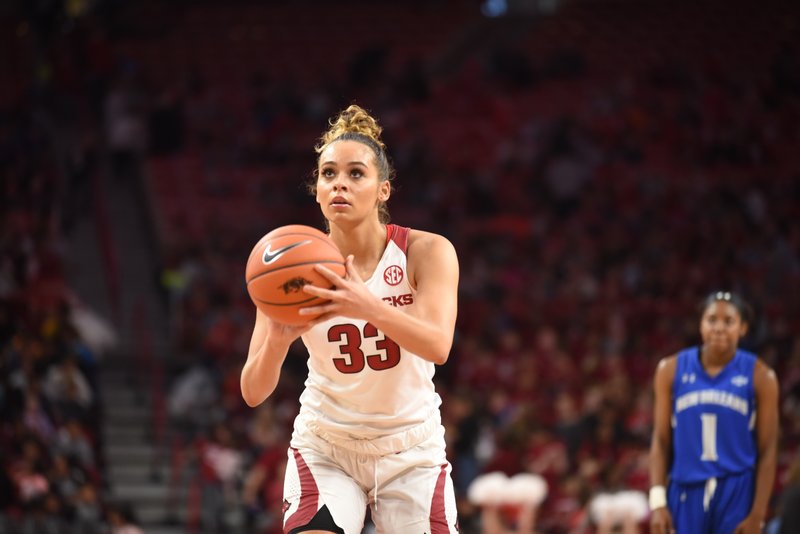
x=591 y=207
x=591 y=211
x=51 y=473
x=52 y=468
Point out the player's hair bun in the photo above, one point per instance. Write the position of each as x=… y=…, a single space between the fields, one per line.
x=353 y=120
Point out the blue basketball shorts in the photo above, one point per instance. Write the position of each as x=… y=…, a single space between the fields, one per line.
x=715 y=506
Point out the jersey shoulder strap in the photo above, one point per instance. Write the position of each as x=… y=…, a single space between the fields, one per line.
x=398 y=234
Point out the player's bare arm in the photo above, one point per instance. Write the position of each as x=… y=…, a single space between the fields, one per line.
x=427 y=330
x=661 y=444
x=766 y=387
x=269 y=345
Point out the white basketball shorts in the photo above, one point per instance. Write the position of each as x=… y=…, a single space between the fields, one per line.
x=408 y=492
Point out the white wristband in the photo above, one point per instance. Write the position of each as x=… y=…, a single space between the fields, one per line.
x=658 y=497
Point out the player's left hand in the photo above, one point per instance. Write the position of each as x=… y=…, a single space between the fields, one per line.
x=349 y=297
x=750 y=525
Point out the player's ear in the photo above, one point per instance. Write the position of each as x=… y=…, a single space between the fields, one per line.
x=384 y=190
x=743 y=330
x=316 y=193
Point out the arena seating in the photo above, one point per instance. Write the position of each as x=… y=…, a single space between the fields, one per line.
x=613 y=161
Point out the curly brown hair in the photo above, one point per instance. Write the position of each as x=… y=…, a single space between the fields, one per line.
x=356 y=124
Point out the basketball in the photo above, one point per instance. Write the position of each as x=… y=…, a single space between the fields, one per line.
x=281 y=263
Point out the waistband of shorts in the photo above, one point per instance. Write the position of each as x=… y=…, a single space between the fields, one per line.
x=378 y=446
x=719 y=477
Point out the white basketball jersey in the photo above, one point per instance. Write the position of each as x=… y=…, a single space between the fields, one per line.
x=360 y=383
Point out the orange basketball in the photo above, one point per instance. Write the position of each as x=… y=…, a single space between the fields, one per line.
x=282 y=262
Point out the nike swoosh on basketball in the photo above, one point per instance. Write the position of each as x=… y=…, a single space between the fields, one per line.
x=270 y=256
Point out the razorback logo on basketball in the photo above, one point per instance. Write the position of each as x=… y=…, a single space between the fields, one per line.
x=294 y=285
x=393 y=275
x=400 y=300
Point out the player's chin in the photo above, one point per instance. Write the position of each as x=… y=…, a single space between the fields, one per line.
x=721 y=346
x=341 y=214
x=720 y=343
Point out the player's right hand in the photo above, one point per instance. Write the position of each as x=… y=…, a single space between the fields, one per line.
x=286 y=333
x=277 y=335
x=661 y=521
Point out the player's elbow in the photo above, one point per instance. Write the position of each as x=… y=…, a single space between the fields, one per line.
x=439 y=352
x=251 y=402
x=768 y=452
x=249 y=398
x=659 y=442
x=436 y=358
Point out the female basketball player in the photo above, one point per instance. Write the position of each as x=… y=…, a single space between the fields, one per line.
x=369 y=429
x=716 y=417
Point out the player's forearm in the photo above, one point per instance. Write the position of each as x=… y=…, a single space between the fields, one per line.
x=765 y=478
x=261 y=372
x=426 y=339
x=659 y=451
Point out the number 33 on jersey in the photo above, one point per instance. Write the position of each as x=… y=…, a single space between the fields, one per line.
x=355 y=369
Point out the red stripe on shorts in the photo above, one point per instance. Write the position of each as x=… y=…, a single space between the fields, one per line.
x=438 y=518
x=309 y=496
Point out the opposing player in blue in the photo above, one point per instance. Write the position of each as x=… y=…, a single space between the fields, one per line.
x=715 y=430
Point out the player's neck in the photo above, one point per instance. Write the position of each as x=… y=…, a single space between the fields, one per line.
x=714 y=360
x=366 y=242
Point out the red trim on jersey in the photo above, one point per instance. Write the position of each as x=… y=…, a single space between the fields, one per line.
x=438 y=517
x=309 y=496
x=398 y=234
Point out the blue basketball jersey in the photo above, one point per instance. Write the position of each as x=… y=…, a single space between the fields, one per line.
x=713 y=418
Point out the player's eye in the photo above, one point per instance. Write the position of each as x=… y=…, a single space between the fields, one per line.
x=327 y=172
x=356 y=173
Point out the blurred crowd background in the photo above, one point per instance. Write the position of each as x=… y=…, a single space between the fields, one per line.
x=599 y=165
